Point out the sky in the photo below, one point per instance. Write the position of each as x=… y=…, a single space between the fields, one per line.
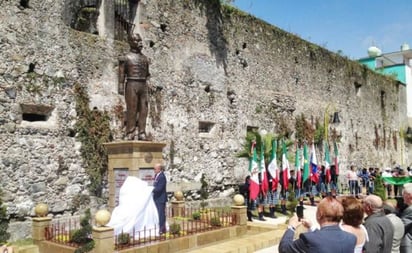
x=346 y=26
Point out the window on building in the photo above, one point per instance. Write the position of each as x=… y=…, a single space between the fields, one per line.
x=205 y=126
x=35 y=113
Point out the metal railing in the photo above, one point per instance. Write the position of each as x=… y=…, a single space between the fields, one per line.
x=182 y=222
x=124 y=12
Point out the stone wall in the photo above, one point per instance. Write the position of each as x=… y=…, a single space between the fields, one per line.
x=213 y=68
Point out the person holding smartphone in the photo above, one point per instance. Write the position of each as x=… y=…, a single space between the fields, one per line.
x=329 y=238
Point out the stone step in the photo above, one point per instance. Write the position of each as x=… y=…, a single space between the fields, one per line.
x=26 y=249
x=258 y=237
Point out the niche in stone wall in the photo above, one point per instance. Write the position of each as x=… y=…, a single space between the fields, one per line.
x=82 y=15
x=253 y=129
x=37 y=115
x=357 y=88
x=205 y=128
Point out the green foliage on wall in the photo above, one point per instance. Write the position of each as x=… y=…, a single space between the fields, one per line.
x=304 y=129
x=4 y=222
x=319 y=132
x=93 y=129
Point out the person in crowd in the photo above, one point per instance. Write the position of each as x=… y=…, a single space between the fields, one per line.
x=387 y=173
x=160 y=196
x=379 y=227
x=364 y=176
x=406 y=217
x=245 y=191
x=272 y=197
x=371 y=185
x=322 y=181
x=333 y=179
x=260 y=202
x=352 y=177
x=352 y=221
x=409 y=171
x=329 y=238
x=396 y=188
x=293 y=183
x=399 y=230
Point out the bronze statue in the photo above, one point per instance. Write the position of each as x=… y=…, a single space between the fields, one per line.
x=134 y=72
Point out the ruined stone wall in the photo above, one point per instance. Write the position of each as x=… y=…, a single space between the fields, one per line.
x=211 y=68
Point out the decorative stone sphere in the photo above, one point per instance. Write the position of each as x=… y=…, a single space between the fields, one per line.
x=178 y=195
x=239 y=200
x=41 y=210
x=102 y=217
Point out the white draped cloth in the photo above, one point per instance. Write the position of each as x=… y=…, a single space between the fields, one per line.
x=136 y=209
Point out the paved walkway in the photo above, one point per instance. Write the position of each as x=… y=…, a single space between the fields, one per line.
x=309 y=213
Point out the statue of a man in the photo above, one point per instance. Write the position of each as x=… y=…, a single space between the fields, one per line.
x=133 y=74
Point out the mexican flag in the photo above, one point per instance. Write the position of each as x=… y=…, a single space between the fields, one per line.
x=305 y=163
x=298 y=173
x=335 y=146
x=262 y=170
x=327 y=164
x=254 y=174
x=285 y=168
x=273 y=166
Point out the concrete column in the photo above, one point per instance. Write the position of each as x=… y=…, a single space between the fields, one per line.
x=39 y=225
x=239 y=214
x=103 y=240
x=178 y=208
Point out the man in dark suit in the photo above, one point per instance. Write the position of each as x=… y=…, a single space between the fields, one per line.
x=160 y=196
x=329 y=238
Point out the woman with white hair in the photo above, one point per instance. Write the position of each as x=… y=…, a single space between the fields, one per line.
x=406 y=216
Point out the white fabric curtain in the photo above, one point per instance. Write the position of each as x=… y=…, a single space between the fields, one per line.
x=136 y=209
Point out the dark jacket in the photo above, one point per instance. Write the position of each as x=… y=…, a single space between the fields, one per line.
x=329 y=239
x=159 y=191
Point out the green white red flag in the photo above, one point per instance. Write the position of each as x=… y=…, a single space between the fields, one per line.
x=254 y=173
x=262 y=170
x=273 y=166
x=298 y=165
x=285 y=168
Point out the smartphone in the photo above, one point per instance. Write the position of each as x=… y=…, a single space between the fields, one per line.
x=299 y=212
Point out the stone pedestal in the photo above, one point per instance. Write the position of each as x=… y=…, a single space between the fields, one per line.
x=39 y=225
x=239 y=213
x=178 y=208
x=131 y=158
x=103 y=239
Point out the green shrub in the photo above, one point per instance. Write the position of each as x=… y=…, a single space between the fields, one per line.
x=123 y=239
x=215 y=221
x=174 y=229
x=196 y=215
x=82 y=236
